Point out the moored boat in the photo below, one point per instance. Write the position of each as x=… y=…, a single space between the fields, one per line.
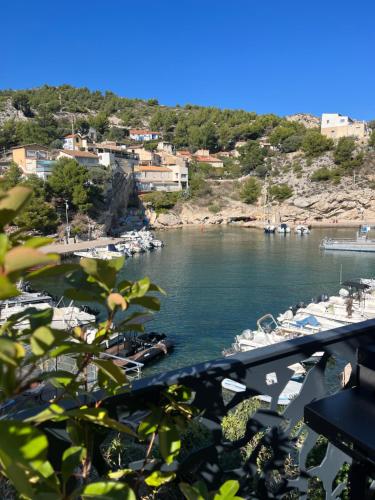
x=283 y=229
x=301 y=229
x=359 y=244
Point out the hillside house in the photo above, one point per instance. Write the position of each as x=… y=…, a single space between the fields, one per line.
x=156 y=178
x=143 y=135
x=33 y=159
x=114 y=156
x=213 y=161
x=334 y=125
x=72 y=142
x=84 y=158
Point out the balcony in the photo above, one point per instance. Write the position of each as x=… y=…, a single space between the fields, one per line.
x=286 y=459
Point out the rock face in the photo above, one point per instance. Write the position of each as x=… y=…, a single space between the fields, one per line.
x=309 y=121
x=168 y=219
x=117 y=197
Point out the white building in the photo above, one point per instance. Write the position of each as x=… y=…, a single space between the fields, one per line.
x=143 y=135
x=334 y=125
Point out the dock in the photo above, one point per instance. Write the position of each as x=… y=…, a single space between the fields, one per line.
x=68 y=249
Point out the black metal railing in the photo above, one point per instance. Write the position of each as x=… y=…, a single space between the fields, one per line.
x=287 y=459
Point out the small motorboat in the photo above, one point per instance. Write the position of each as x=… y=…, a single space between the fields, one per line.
x=101 y=253
x=142 y=348
x=269 y=228
x=302 y=230
x=283 y=229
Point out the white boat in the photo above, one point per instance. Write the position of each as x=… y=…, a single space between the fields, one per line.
x=302 y=229
x=102 y=253
x=359 y=244
x=269 y=228
x=63 y=318
x=325 y=313
x=283 y=229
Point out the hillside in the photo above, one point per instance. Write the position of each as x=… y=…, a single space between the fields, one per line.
x=273 y=167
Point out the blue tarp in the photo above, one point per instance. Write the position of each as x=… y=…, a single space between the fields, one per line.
x=310 y=320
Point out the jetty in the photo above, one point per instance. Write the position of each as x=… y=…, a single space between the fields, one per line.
x=67 y=249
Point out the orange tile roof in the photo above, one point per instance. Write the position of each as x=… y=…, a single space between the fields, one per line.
x=152 y=168
x=82 y=154
x=207 y=159
x=71 y=135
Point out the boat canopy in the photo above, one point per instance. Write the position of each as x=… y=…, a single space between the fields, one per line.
x=356 y=284
x=309 y=320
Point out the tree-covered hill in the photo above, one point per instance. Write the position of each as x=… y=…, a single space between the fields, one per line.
x=46 y=113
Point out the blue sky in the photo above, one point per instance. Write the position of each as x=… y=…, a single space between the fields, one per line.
x=272 y=56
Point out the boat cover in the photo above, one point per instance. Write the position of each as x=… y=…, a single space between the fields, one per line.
x=309 y=320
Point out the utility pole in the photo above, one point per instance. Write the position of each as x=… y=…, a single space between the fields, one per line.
x=73 y=132
x=67 y=221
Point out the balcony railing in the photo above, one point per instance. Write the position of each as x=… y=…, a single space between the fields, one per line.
x=279 y=464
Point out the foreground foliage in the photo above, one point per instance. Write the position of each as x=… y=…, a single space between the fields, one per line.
x=33 y=458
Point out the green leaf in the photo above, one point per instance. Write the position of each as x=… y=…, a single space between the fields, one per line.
x=22 y=258
x=101 y=271
x=51 y=271
x=73 y=348
x=58 y=378
x=3 y=246
x=41 y=317
x=157 y=478
x=192 y=492
x=23 y=450
x=148 y=302
x=140 y=288
x=37 y=242
x=100 y=417
x=228 y=491
x=71 y=458
x=53 y=412
x=13 y=202
x=41 y=341
x=11 y=352
x=7 y=288
x=111 y=371
x=119 y=474
x=169 y=441
x=150 y=423
x=108 y=490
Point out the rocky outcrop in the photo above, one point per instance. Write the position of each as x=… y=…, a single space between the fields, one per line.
x=309 y=121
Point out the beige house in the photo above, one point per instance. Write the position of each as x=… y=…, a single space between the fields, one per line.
x=334 y=125
x=22 y=154
x=73 y=141
x=84 y=158
x=156 y=178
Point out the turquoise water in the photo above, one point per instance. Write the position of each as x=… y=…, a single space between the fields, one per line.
x=221 y=280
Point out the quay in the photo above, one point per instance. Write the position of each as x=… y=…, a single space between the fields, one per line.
x=67 y=249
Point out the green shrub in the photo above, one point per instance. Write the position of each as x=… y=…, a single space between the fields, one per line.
x=214 y=208
x=314 y=143
x=297 y=168
x=280 y=192
x=291 y=143
x=199 y=187
x=250 y=191
x=344 y=150
x=161 y=200
x=321 y=174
